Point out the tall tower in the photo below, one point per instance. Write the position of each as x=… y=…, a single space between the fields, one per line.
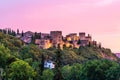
x=82 y=35
x=56 y=37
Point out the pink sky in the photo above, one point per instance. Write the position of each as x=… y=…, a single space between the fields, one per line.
x=100 y=18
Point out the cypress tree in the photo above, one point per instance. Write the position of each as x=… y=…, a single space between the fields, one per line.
x=22 y=33
x=58 y=65
x=17 y=31
x=42 y=64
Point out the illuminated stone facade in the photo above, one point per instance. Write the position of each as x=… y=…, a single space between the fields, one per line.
x=56 y=37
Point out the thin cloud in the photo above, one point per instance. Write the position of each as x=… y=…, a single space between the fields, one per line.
x=105 y=2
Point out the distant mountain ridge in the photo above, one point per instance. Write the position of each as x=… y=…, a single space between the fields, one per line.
x=117 y=54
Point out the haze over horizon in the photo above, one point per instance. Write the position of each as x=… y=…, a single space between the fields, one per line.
x=100 y=18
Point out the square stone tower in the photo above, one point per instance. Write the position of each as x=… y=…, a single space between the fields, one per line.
x=56 y=37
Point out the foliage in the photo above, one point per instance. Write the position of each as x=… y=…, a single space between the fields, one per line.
x=11 y=42
x=20 y=70
x=4 y=55
x=58 y=65
x=30 y=51
x=26 y=61
x=99 y=69
x=113 y=73
x=66 y=72
x=47 y=75
x=72 y=72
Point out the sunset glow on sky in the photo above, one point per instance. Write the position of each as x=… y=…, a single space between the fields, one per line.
x=100 y=18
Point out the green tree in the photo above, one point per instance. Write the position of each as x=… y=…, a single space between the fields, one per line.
x=13 y=33
x=4 y=55
x=75 y=72
x=72 y=72
x=96 y=69
x=113 y=73
x=66 y=72
x=58 y=65
x=18 y=43
x=47 y=75
x=42 y=63
x=30 y=51
x=20 y=70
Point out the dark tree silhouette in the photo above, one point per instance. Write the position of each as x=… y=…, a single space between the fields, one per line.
x=22 y=33
x=17 y=31
x=42 y=63
x=58 y=65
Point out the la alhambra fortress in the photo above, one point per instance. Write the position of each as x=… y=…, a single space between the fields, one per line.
x=52 y=39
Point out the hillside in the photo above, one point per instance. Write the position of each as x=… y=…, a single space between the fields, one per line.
x=70 y=56
x=13 y=43
x=26 y=62
x=82 y=54
x=117 y=54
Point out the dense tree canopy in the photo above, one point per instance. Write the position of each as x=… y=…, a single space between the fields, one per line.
x=20 y=70
x=4 y=55
x=98 y=70
x=47 y=75
x=20 y=61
